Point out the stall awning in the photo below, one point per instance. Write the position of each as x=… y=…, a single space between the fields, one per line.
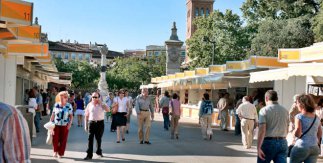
x=299 y=69
x=59 y=81
x=269 y=75
x=207 y=79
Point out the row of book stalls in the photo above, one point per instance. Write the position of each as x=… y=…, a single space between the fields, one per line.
x=294 y=71
x=25 y=60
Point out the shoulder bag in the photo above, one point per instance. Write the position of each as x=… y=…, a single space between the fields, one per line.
x=291 y=146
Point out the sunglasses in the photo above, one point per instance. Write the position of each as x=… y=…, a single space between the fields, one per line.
x=95 y=97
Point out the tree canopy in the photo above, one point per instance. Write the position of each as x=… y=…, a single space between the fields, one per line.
x=226 y=30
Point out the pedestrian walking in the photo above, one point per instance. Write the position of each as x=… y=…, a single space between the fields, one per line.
x=33 y=106
x=145 y=111
x=45 y=101
x=223 y=106
x=52 y=99
x=130 y=101
x=248 y=114
x=205 y=116
x=175 y=107
x=273 y=127
x=293 y=111
x=14 y=136
x=109 y=102
x=113 y=127
x=39 y=100
x=237 y=126
x=79 y=110
x=62 y=116
x=308 y=131
x=157 y=98
x=94 y=124
x=122 y=113
x=164 y=105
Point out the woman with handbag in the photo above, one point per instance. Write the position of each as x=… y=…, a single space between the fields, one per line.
x=307 y=130
x=164 y=104
x=62 y=116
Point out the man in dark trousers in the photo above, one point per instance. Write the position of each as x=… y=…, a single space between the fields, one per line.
x=94 y=124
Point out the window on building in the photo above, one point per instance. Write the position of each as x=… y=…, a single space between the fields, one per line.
x=202 y=11
x=73 y=56
x=66 y=56
x=87 y=57
x=80 y=56
x=207 y=13
x=196 y=12
x=59 y=55
x=157 y=54
x=150 y=54
x=183 y=54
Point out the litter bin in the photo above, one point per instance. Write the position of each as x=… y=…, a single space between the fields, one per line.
x=28 y=116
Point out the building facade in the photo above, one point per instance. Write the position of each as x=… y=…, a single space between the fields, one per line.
x=79 y=52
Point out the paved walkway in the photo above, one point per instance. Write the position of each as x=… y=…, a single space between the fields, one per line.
x=225 y=147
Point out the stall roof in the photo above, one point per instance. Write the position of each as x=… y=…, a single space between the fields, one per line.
x=299 y=69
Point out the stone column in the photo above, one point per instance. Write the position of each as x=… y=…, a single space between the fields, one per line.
x=103 y=85
x=8 y=76
x=173 y=55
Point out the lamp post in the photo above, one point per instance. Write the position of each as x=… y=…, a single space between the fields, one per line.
x=207 y=40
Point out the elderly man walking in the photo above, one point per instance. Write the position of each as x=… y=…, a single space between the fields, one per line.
x=223 y=106
x=248 y=114
x=273 y=127
x=144 y=111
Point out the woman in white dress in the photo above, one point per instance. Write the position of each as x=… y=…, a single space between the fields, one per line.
x=32 y=108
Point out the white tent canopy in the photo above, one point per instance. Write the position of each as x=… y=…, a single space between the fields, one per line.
x=299 y=69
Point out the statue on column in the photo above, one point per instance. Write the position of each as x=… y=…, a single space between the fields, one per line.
x=103 y=85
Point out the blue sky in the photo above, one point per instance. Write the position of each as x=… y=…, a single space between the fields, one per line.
x=121 y=24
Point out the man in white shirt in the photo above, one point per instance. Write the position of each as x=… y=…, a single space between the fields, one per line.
x=248 y=115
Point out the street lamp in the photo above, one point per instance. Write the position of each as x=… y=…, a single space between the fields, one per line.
x=207 y=40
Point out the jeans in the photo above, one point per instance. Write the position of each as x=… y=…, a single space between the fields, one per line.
x=37 y=121
x=237 y=127
x=275 y=150
x=304 y=154
x=166 y=121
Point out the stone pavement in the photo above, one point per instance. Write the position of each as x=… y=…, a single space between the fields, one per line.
x=224 y=147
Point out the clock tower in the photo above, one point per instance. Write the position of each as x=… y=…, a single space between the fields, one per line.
x=173 y=49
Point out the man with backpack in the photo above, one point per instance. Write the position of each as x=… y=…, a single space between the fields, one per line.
x=205 y=115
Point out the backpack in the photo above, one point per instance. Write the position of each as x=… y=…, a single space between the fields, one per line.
x=207 y=107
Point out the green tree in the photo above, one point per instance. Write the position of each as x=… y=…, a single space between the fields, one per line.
x=84 y=75
x=318 y=25
x=226 y=30
x=257 y=10
x=275 y=34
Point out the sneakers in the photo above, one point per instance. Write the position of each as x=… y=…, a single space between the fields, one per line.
x=87 y=158
x=55 y=154
x=141 y=142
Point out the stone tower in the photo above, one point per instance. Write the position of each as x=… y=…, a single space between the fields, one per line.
x=194 y=9
x=173 y=49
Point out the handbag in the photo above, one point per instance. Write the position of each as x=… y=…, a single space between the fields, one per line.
x=49 y=139
x=165 y=110
x=291 y=146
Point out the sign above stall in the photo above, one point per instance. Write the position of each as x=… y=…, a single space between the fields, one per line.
x=28 y=49
x=28 y=33
x=289 y=55
x=238 y=65
x=16 y=11
x=217 y=68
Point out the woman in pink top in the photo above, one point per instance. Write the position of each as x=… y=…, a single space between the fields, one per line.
x=175 y=106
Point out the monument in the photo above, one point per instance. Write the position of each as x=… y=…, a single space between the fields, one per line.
x=173 y=49
x=103 y=85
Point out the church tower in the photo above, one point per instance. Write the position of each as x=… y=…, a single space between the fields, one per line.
x=196 y=8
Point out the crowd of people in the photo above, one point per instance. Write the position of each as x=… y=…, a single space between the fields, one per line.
x=296 y=134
